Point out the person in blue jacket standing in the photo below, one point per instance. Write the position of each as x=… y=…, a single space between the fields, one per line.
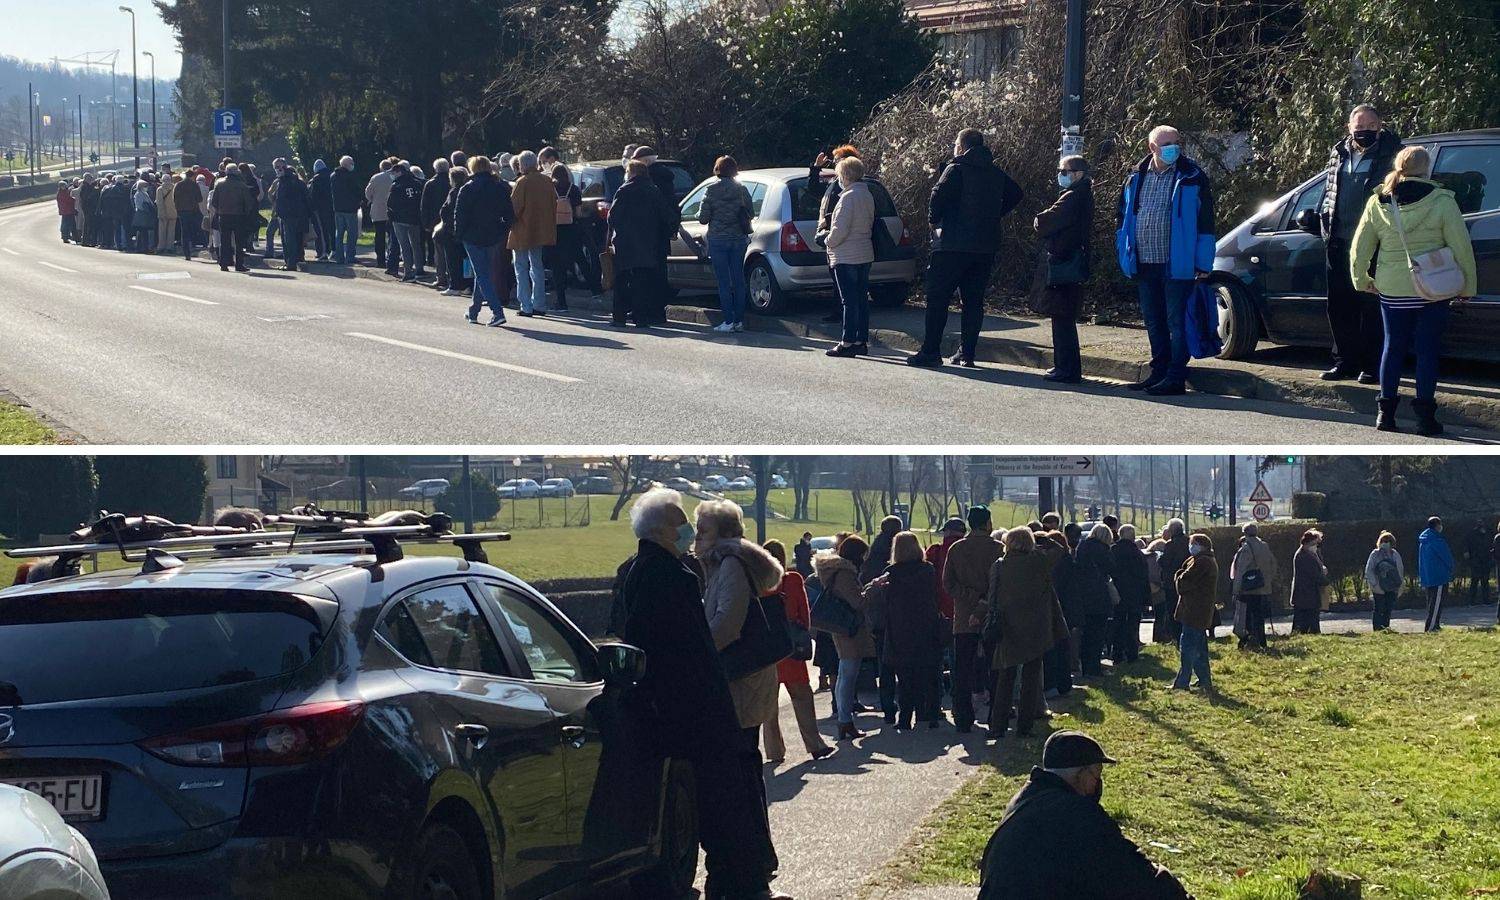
x=1435 y=569
x=1165 y=242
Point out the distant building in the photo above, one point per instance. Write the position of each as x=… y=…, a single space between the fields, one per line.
x=232 y=481
x=981 y=37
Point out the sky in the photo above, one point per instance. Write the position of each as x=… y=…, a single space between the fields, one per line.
x=65 y=28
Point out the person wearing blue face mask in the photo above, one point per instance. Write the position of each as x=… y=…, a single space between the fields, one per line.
x=1165 y=242
x=682 y=702
x=1064 y=228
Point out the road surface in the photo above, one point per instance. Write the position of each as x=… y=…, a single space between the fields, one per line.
x=132 y=349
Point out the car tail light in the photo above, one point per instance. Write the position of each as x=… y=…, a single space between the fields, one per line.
x=905 y=236
x=603 y=208
x=791 y=239
x=280 y=738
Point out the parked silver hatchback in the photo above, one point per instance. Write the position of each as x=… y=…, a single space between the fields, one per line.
x=783 y=259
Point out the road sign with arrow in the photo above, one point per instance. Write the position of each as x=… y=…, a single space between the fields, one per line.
x=1043 y=466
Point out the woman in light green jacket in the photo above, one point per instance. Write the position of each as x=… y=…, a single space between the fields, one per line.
x=1432 y=220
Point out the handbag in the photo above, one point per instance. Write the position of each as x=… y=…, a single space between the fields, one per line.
x=1071 y=269
x=764 y=637
x=833 y=614
x=1435 y=275
x=802 y=641
x=1253 y=580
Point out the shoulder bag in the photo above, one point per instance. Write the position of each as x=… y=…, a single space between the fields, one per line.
x=764 y=638
x=1435 y=275
x=833 y=614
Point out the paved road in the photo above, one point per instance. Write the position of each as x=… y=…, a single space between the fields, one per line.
x=159 y=350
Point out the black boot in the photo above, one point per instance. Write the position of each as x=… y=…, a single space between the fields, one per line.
x=1386 y=419
x=1427 y=423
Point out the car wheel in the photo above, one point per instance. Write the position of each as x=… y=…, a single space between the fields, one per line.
x=1239 y=323
x=889 y=296
x=441 y=867
x=766 y=295
x=677 y=867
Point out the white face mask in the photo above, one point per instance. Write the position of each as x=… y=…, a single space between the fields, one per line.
x=1195 y=549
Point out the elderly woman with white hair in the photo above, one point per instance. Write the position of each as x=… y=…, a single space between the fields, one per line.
x=533 y=230
x=683 y=697
x=1096 y=590
x=851 y=252
x=1132 y=580
x=1165 y=628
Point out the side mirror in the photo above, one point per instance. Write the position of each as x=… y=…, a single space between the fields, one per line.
x=1308 y=221
x=621 y=664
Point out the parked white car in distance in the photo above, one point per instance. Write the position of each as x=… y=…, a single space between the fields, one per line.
x=426 y=489
x=520 y=489
x=715 y=483
x=678 y=483
x=558 y=487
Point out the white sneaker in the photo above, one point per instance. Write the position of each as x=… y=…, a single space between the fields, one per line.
x=724 y=328
x=450 y=292
x=739 y=326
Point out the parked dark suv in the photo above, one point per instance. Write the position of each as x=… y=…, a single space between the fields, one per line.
x=1272 y=278
x=316 y=715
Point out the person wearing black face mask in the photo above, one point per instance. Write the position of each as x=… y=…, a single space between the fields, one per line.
x=1356 y=166
x=1055 y=840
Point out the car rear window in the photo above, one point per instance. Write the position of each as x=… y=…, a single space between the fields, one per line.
x=805 y=203
x=75 y=645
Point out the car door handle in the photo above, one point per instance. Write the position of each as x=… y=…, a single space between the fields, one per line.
x=574 y=734
x=475 y=734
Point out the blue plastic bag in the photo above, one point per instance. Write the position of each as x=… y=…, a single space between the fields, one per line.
x=1203 y=322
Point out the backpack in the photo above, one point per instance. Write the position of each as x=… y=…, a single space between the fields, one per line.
x=1387 y=576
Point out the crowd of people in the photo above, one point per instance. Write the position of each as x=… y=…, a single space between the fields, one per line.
x=494 y=229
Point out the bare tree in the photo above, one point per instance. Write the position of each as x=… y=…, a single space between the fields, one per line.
x=635 y=473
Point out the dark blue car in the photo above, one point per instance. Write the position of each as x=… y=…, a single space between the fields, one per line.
x=334 y=723
x=1271 y=273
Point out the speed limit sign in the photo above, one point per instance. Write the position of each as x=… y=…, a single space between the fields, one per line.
x=1261 y=512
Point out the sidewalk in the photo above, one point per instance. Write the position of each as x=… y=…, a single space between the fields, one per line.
x=1467 y=395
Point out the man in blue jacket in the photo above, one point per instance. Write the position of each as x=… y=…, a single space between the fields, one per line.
x=1166 y=242
x=1434 y=569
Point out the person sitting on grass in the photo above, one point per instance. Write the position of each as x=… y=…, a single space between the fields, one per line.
x=1058 y=808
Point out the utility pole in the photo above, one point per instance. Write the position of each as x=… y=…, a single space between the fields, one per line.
x=1234 y=492
x=154 y=161
x=1073 y=72
x=1151 y=491
x=1044 y=502
x=224 y=103
x=80 y=132
x=1186 y=498
x=761 y=466
x=30 y=139
x=468 y=498
x=364 y=484
x=135 y=90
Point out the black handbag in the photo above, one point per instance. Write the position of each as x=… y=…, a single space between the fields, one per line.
x=1254 y=580
x=1072 y=269
x=802 y=641
x=834 y=615
x=764 y=639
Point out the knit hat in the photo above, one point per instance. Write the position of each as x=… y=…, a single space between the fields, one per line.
x=319 y=166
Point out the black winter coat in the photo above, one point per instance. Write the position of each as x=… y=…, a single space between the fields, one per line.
x=1132 y=579
x=434 y=193
x=405 y=204
x=1382 y=158
x=641 y=225
x=968 y=202
x=348 y=193
x=291 y=197
x=1065 y=225
x=684 y=694
x=1094 y=570
x=1069 y=597
x=114 y=202
x=483 y=213
x=320 y=194
x=913 y=624
x=1054 y=842
x=661 y=176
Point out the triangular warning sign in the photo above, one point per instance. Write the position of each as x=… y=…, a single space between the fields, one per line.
x=1261 y=494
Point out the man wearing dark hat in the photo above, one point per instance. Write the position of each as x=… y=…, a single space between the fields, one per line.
x=1055 y=840
x=965 y=575
x=661 y=176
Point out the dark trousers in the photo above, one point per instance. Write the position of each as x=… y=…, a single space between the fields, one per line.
x=914 y=686
x=1164 y=628
x=560 y=259
x=1418 y=331
x=1307 y=621
x=633 y=296
x=293 y=240
x=968 y=274
x=885 y=679
x=69 y=226
x=965 y=663
x=1028 y=708
x=1436 y=594
x=1353 y=317
x=1057 y=669
x=1479 y=584
x=1067 y=357
x=382 y=236
x=1125 y=634
x=453 y=256
x=1381 y=617
x=1091 y=645
x=322 y=225
x=1255 y=620
x=1164 y=312
x=188 y=226
x=234 y=240
x=732 y=823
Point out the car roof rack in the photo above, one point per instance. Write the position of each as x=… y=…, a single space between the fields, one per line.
x=160 y=544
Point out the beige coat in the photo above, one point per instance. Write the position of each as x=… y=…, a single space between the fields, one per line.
x=727 y=595
x=839 y=575
x=1253 y=554
x=535 y=200
x=165 y=208
x=849 y=241
x=966 y=578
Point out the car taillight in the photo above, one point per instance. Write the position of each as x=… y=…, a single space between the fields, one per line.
x=280 y=738
x=791 y=239
x=905 y=236
x=603 y=208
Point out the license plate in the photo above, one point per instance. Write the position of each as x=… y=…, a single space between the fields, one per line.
x=77 y=798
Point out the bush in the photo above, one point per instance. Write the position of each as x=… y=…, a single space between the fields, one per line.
x=486 y=499
x=45 y=494
x=1309 y=505
x=174 y=487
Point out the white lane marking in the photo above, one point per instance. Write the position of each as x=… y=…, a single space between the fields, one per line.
x=58 y=267
x=162 y=276
x=438 y=351
x=303 y=318
x=10 y=251
x=137 y=287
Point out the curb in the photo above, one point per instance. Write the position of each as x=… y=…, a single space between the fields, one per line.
x=1455 y=409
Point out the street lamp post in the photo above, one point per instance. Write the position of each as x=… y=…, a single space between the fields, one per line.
x=30 y=130
x=154 y=161
x=135 y=92
x=1073 y=71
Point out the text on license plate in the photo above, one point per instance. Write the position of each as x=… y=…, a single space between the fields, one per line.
x=75 y=797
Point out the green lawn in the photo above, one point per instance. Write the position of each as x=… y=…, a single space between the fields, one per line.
x=19 y=425
x=1376 y=755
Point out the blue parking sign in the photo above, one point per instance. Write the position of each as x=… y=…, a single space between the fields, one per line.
x=228 y=123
